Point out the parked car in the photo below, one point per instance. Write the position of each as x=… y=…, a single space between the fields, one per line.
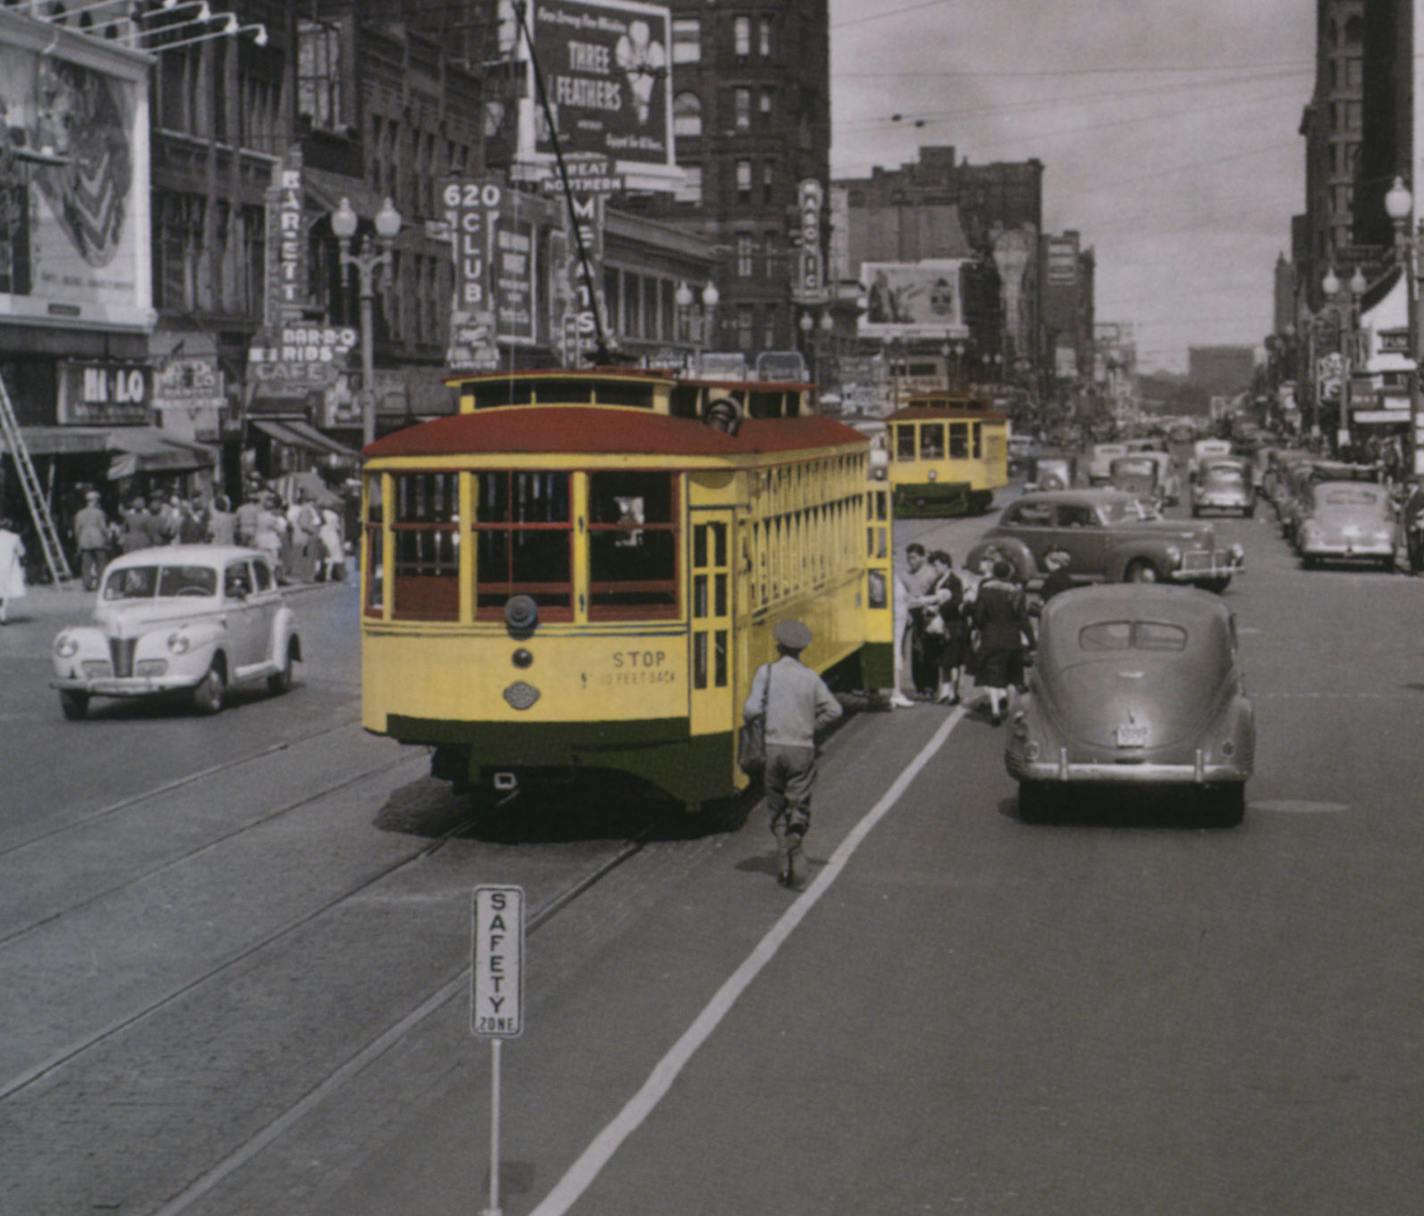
x=1110 y=537
x=1134 y=686
x=1347 y=521
x=1149 y=474
x=1100 y=458
x=1224 y=484
x=1301 y=475
x=195 y=618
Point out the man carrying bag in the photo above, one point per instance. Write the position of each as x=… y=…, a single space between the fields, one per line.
x=792 y=703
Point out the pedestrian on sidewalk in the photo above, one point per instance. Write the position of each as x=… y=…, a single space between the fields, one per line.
x=91 y=535
x=12 y=567
x=245 y=522
x=222 y=523
x=797 y=704
x=1414 y=525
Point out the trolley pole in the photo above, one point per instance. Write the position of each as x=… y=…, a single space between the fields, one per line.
x=496 y=993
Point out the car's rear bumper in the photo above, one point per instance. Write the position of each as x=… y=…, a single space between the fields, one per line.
x=1199 y=564
x=1060 y=769
x=1344 y=552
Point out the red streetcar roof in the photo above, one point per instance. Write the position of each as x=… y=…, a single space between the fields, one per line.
x=569 y=430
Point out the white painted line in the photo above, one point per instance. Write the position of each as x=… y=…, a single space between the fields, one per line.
x=582 y=1173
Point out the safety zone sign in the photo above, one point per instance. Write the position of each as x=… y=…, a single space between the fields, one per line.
x=497 y=965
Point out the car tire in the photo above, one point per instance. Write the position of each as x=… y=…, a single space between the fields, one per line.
x=74 y=705
x=1215 y=585
x=1196 y=512
x=1034 y=801
x=210 y=691
x=1387 y=564
x=280 y=681
x=1308 y=562
x=1228 y=806
x=1141 y=571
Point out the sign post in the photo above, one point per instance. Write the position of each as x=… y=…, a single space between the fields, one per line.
x=496 y=991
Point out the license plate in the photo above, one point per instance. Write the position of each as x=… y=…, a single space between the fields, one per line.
x=1131 y=736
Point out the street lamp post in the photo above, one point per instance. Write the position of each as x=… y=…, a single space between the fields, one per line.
x=1399 y=203
x=367 y=260
x=697 y=322
x=1347 y=325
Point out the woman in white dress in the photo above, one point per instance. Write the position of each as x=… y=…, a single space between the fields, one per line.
x=12 y=569
x=333 y=550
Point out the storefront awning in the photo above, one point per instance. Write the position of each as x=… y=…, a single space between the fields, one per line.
x=135 y=449
x=298 y=434
x=144 y=449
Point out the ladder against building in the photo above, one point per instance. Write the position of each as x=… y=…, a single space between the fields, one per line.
x=14 y=443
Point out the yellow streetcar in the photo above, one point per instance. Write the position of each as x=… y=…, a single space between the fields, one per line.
x=575 y=577
x=948 y=454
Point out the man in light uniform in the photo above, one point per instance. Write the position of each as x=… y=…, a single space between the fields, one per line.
x=797 y=704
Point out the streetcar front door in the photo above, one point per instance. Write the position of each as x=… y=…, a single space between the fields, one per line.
x=710 y=658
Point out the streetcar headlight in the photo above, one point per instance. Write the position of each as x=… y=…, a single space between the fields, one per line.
x=933 y=474
x=66 y=646
x=178 y=643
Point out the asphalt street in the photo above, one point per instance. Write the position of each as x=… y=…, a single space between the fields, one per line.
x=245 y=991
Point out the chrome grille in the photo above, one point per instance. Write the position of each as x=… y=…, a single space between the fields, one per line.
x=121 y=650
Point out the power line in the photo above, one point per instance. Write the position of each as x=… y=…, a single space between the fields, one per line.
x=1056 y=72
x=893 y=12
x=1041 y=102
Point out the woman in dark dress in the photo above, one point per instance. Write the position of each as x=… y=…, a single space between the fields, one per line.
x=1001 y=614
x=954 y=634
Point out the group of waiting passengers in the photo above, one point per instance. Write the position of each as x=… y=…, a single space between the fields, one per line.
x=983 y=629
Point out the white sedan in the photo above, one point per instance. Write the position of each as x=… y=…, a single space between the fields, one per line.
x=196 y=617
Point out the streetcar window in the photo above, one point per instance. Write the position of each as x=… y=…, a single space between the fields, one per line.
x=959 y=441
x=905 y=442
x=373 y=564
x=523 y=538
x=978 y=441
x=624 y=392
x=932 y=441
x=425 y=533
x=632 y=545
x=491 y=393
x=765 y=405
x=686 y=401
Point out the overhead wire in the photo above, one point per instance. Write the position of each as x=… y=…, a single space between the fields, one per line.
x=1027 y=104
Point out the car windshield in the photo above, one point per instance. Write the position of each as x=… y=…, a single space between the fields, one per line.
x=162 y=582
x=1131 y=635
x=1126 y=511
x=1225 y=472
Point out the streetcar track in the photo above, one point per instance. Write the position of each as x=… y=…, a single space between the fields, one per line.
x=206 y=846
x=201 y=1186
x=176 y=783
x=70 y=1052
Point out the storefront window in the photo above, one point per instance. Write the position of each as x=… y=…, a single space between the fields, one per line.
x=632 y=542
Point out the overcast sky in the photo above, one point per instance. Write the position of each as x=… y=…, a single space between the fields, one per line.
x=1167 y=131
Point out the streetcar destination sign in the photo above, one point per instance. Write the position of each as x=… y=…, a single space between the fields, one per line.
x=497 y=964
